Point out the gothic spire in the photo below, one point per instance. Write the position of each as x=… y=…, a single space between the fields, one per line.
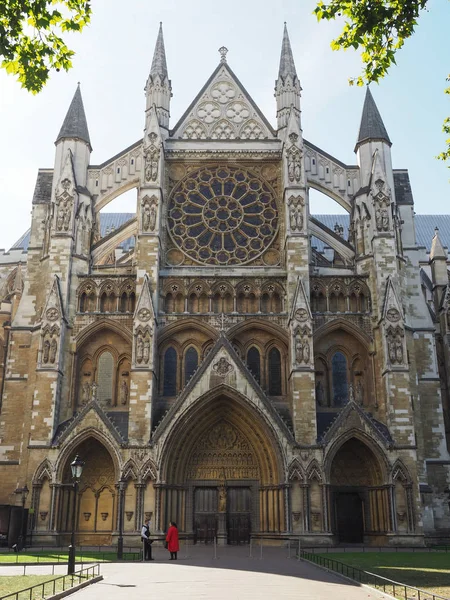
x=372 y=126
x=75 y=124
x=437 y=249
x=159 y=64
x=287 y=65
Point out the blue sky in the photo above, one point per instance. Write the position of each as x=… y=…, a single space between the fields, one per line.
x=114 y=56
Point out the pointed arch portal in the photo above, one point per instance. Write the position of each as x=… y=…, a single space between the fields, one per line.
x=223 y=473
x=361 y=503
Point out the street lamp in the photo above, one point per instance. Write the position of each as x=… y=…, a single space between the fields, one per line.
x=122 y=485
x=77 y=469
x=23 y=494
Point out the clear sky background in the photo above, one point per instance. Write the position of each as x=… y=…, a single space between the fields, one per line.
x=113 y=60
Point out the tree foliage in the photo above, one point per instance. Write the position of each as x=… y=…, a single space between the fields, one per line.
x=379 y=28
x=31 y=42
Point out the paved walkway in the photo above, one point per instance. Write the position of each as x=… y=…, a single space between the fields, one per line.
x=232 y=576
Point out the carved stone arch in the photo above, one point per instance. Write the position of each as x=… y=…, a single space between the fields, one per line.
x=400 y=472
x=223 y=130
x=95 y=328
x=222 y=402
x=296 y=471
x=194 y=130
x=148 y=471
x=246 y=287
x=257 y=323
x=108 y=287
x=222 y=288
x=314 y=472
x=253 y=343
x=130 y=470
x=191 y=322
x=88 y=286
x=340 y=323
x=204 y=288
x=109 y=197
x=46 y=470
x=69 y=450
x=369 y=441
x=168 y=287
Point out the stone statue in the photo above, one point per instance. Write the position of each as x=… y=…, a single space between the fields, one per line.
x=222 y=499
x=360 y=393
x=46 y=352
x=351 y=394
x=298 y=351
x=94 y=388
x=320 y=396
x=378 y=220
x=86 y=391
x=123 y=392
x=385 y=219
x=60 y=218
x=146 y=350
x=67 y=217
x=291 y=168
x=399 y=349
x=297 y=169
x=145 y=217
x=53 y=350
x=306 y=351
x=293 y=217
x=139 y=348
x=392 y=350
x=152 y=218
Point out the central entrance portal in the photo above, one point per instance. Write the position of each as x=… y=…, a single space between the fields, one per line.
x=238 y=514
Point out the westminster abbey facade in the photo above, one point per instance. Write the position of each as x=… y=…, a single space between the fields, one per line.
x=221 y=357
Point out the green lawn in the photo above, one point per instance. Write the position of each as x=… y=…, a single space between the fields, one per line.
x=61 y=557
x=425 y=570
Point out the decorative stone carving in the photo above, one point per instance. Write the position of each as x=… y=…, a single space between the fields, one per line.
x=222 y=499
x=151 y=158
x=395 y=345
x=208 y=112
x=86 y=392
x=320 y=394
x=296 y=516
x=129 y=514
x=382 y=219
x=223 y=92
x=94 y=390
x=296 y=204
x=194 y=130
x=53 y=350
x=302 y=348
x=104 y=515
x=143 y=347
x=52 y=314
x=43 y=514
x=149 y=212
x=87 y=516
x=393 y=315
x=144 y=314
x=294 y=160
x=222 y=367
x=301 y=315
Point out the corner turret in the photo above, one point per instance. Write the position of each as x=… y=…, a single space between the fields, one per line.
x=158 y=89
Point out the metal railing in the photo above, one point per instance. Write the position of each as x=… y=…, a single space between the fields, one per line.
x=54 y=586
x=394 y=588
x=84 y=554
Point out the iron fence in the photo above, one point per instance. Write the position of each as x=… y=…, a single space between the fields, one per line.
x=394 y=588
x=53 y=586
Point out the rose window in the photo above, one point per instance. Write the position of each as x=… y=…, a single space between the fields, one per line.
x=222 y=216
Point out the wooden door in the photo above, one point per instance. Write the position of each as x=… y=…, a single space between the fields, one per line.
x=349 y=517
x=239 y=515
x=205 y=511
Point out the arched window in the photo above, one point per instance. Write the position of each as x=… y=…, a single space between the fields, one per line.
x=170 y=372
x=123 y=302
x=168 y=304
x=254 y=363
x=276 y=303
x=83 y=302
x=203 y=303
x=339 y=377
x=353 y=303
x=274 y=372
x=227 y=305
x=105 y=378
x=190 y=363
x=193 y=303
x=265 y=303
x=132 y=302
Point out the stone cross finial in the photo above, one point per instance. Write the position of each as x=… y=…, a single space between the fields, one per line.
x=223 y=54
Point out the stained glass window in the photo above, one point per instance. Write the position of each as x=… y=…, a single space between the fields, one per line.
x=340 y=383
x=170 y=372
x=190 y=364
x=274 y=372
x=222 y=216
x=254 y=363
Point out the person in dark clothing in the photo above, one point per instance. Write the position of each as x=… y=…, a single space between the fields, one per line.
x=145 y=535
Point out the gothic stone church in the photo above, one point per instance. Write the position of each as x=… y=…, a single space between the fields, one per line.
x=221 y=357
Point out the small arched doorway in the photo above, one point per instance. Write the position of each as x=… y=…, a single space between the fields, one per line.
x=359 y=499
x=223 y=473
x=96 y=505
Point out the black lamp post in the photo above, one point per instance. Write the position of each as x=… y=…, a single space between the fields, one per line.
x=121 y=509
x=23 y=494
x=77 y=468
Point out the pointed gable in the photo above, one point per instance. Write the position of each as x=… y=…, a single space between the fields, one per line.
x=392 y=308
x=53 y=309
x=223 y=110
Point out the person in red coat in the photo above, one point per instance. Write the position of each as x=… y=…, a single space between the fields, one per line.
x=173 y=545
